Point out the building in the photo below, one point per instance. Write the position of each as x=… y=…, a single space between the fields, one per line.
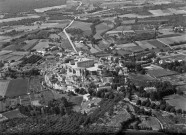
x=150 y=89
x=77 y=67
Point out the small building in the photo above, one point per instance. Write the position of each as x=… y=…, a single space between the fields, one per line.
x=150 y=89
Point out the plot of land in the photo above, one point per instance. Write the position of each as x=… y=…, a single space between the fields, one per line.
x=158 y=45
x=30 y=44
x=42 y=45
x=160 y=73
x=82 y=25
x=134 y=49
x=171 y=40
x=145 y=45
x=3 y=87
x=176 y=79
x=126 y=45
x=100 y=28
x=151 y=122
x=177 y=101
x=17 y=87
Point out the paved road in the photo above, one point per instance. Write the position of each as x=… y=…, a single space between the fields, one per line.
x=64 y=30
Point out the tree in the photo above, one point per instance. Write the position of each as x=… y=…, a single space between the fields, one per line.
x=138 y=102
x=179 y=111
x=162 y=107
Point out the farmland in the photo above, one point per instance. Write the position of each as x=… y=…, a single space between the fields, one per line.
x=160 y=73
x=172 y=40
x=42 y=45
x=145 y=44
x=100 y=28
x=158 y=45
x=30 y=44
x=177 y=100
x=16 y=6
x=17 y=87
x=83 y=26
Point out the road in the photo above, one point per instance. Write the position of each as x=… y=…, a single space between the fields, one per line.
x=64 y=30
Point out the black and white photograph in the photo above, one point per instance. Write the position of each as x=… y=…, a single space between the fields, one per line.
x=95 y=67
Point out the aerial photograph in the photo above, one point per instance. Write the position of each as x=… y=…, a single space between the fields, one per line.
x=92 y=67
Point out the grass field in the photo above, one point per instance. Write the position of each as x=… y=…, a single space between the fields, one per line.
x=3 y=87
x=17 y=87
x=160 y=73
x=151 y=122
x=100 y=28
x=126 y=45
x=177 y=100
x=83 y=26
x=30 y=44
x=15 y=6
x=171 y=40
x=145 y=45
x=41 y=45
x=158 y=45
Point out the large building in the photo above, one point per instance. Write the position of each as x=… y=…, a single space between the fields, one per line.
x=77 y=67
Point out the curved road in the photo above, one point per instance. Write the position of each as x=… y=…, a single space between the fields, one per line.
x=64 y=30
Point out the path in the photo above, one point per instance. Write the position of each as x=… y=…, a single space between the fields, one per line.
x=67 y=35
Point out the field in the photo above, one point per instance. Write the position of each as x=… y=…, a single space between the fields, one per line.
x=158 y=44
x=126 y=45
x=3 y=87
x=123 y=28
x=134 y=16
x=151 y=122
x=15 y=6
x=13 y=114
x=134 y=49
x=18 y=18
x=177 y=100
x=159 y=12
x=42 y=45
x=17 y=87
x=100 y=28
x=65 y=42
x=83 y=26
x=30 y=44
x=145 y=45
x=160 y=73
x=11 y=55
x=171 y=40
x=176 y=79
x=41 y=10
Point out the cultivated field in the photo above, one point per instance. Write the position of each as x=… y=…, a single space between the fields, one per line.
x=42 y=45
x=15 y=6
x=160 y=73
x=30 y=44
x=145 y=45
x=126 y=45
x=3 y=87
x=151 y=122
x=17 y=87
x=158 y=44
x=100 y=28
x=171 y=40
x=83 y=26
x=177 y=100
x=176 y=79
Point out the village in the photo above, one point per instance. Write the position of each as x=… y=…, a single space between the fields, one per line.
x=113 y=66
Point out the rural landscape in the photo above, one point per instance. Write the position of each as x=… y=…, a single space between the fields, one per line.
x=92 y=67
